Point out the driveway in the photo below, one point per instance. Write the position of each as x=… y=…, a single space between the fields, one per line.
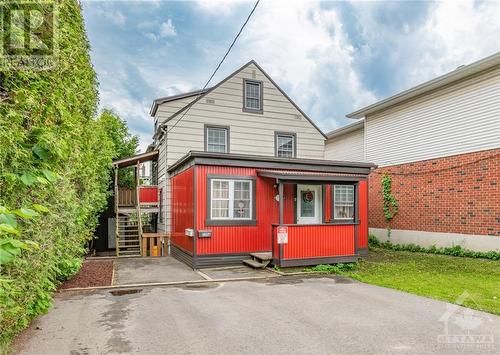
x=326 y=315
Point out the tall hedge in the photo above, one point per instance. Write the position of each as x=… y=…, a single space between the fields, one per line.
x=55 y=158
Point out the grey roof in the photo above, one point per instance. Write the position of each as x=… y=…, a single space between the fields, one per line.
x=206 y=91
x=346 y=129
x=489 y=63
x=162 y=100
x=262 y=161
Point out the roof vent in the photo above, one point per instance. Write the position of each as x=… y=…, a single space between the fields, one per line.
x=254 y=74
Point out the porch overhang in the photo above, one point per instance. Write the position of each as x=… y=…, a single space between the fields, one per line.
x=308 y=176
x=135 y=159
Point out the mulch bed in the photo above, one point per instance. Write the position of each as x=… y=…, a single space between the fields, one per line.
x=93 y=273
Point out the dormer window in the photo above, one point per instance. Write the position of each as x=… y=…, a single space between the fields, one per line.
x=252 y=96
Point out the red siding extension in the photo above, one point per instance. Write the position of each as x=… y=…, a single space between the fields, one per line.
x=363 y=215
x=304 y=241
x=148 y=194
x=319 y=241
x=237 y=239
x=182 y=209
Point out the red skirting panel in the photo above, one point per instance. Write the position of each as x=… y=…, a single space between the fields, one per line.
x=319 y=241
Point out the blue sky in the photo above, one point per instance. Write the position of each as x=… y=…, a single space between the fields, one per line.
x=331 y=57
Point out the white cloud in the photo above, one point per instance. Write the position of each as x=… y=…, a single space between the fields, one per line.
x=305 y=48
x=167 y=29
x=115 y=17
x=218 y=7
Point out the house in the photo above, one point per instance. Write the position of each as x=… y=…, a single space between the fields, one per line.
x=240 y=170
x=440 y=144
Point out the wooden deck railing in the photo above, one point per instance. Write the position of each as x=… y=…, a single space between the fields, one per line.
x=148 y=195
x=126 y=197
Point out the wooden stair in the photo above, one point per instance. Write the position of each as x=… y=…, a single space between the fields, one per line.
x=258 y=260
x=127 y=238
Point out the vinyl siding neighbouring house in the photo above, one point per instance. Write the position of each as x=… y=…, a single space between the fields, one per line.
x=349 y=146
x=461 y=118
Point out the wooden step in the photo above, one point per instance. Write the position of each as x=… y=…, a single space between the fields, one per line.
x=255 y=264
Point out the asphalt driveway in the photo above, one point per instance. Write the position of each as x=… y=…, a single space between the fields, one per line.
x=276 y=316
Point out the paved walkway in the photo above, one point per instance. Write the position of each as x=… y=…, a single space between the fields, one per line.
x=285 y=315
x=131 y=271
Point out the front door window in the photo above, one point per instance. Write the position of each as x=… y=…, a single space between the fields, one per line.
x=309 y=204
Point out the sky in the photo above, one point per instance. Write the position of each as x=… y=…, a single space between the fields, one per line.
x=330 y=57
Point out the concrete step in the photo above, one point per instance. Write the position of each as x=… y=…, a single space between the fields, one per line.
x=255 y=264
x=262 y=257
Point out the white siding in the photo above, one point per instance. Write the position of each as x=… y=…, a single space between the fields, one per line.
x=461 y=118
x=349 y=146
x=250 y=133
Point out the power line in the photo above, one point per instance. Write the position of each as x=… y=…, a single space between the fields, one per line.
x=217 y=68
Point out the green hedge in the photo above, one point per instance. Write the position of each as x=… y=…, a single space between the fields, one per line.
x=452 y=251
x=55 y=158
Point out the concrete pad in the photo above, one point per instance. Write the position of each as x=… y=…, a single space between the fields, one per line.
x=284 y=315
x=235 y=272
x=147 y=270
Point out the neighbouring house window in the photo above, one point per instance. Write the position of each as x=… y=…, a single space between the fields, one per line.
x=252 y=96
x=217 y=139
x=231 y=201
x=285 y=145
x=343 y=201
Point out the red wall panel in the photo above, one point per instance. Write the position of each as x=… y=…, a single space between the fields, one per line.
x=182 y=209
x=319 y=241
x=148 y=194
x=363 y=215
x=237 y=239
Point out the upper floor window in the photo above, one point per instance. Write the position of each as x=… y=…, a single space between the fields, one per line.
x=343 y=201
x=252 y=96
x=217 y=139
x=285 y=145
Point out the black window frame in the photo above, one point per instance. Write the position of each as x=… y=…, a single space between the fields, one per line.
x=291 y=134
x=219 y=127
x=261 y=99
x=230 y=222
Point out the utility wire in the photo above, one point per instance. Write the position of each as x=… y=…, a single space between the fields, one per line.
x=217 y=68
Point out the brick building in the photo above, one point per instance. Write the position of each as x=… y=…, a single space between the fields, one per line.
x=440 y=143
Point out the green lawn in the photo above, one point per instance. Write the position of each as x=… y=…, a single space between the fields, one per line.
x=436 y=276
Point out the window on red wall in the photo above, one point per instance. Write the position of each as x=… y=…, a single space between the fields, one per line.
x=343 y=202
x=230 y=201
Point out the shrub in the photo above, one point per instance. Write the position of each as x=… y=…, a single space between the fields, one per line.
x=332 y=269
x=55 y=158
x=456 y=250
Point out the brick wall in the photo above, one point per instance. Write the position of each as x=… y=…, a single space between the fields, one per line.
x=456 y=194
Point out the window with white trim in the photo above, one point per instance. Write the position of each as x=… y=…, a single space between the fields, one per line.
x=216 y=140
x=285 y=145
x=231 y=199
x=343 y=201
x=253 y=95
